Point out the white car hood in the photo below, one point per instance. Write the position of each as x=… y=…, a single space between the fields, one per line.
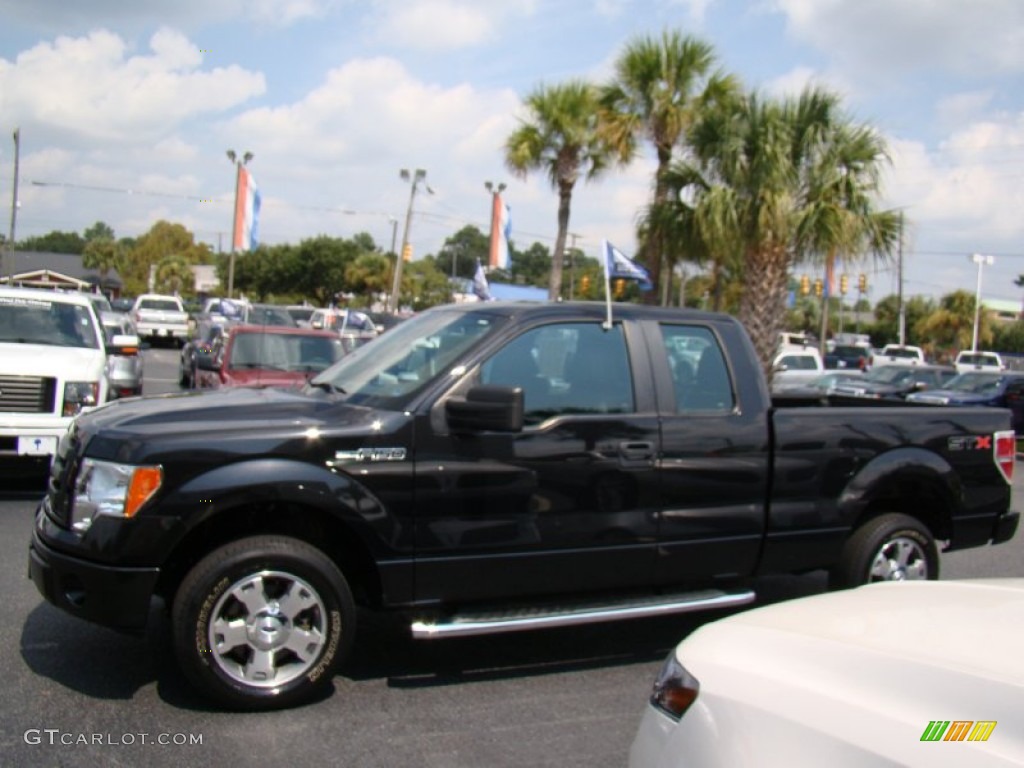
x=46 y=360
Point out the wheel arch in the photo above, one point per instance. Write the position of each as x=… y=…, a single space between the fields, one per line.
x=912 y=481
x=328 y=511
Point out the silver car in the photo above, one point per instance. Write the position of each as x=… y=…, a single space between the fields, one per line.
x=124 y=363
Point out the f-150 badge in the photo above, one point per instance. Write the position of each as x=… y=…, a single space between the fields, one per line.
x=370 y=454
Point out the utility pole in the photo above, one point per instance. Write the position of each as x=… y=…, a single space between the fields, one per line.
x=14 y=207
x=899 y=284
x=414 y=177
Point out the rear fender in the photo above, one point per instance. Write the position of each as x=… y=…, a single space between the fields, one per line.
x=911 y=480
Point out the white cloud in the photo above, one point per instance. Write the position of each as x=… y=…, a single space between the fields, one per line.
x=963 y=36
x=139 y=14
x=93 y=87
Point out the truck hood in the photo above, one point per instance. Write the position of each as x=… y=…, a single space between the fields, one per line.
x=242 y=420
x=52 y=361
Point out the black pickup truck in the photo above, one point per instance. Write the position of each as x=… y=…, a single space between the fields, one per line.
x=492 y=467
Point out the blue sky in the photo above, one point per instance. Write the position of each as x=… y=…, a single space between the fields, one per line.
x=334 y=97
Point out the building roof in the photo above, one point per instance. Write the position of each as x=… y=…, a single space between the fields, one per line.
x=60 y=270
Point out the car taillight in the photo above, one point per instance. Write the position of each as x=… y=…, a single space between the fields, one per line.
x=1005 y=453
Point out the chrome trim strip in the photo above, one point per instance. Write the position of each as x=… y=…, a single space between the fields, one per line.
x=456 y=627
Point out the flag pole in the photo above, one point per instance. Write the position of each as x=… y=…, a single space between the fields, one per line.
x=607 y=325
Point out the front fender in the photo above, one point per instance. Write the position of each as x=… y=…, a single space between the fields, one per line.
x=282 y=485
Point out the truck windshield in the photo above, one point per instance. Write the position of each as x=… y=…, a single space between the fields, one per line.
x=52 y=323
x=389 y=370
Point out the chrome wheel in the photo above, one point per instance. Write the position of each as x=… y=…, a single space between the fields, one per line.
x=899 y=559
x=267 y=629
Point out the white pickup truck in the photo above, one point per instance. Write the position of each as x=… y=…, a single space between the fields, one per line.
x=160 y=317
x=52 y=366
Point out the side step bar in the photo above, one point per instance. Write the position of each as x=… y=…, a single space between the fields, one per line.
x=481 y=623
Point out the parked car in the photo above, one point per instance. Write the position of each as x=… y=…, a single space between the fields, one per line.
x=159 y=317
x=868 y=676
x=268 y=314
x=795 y=368
x=978 y=361
x=124 y=363
x=200 y=344
x=849 y=356
x=267 y=356
x=52 y=367
x=896 y=381
x=823 y=384
x=896 y=354
x=354 y=327
x=122 y=304
x=1003 y=389
x=301 y=314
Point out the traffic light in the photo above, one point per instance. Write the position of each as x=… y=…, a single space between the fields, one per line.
x=407 y=252
x=862 y=283
x=805 y=285
x=844 y=284
x=584 y=283
x=620 y=287
x=819 y=287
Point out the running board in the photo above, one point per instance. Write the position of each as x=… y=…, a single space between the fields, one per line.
x=481 y=623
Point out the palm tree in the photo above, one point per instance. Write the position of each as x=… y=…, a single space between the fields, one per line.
x=660 y=88
x=102 y=254
x=562 y=136
x=841 y=164
x=951 y=326
x=801 y=183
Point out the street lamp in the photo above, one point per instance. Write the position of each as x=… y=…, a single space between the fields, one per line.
x=981 y=261
x=414 y=177
x=238 y=162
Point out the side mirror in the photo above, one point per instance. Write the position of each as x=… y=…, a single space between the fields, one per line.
x=486 y=408
x=124 y=345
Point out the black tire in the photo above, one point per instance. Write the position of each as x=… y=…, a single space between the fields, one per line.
x=892 y=547
x=240 y=644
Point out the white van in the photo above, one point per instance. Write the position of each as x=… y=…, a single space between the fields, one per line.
x=52 y=366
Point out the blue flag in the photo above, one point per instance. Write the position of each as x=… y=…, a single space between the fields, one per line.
x=480 y=287
x=617 y=265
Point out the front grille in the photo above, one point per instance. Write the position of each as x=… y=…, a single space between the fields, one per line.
x=27 y=394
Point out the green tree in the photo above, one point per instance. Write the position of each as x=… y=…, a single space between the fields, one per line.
x=563 y=137
x=367 y=277
x=53 y=242
x=98 y=231
x=163 y=239
x=532 y=266
x=885 y=329
x=776 y=163
x=424 y=286
x=950 y=328
x=102 y=254
x=174 y=275
x=660 y=87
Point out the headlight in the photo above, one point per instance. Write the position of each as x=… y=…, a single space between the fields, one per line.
x=675 y=689
x=117 y=490
x=79 y=395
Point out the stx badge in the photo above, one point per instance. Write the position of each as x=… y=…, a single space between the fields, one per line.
x=369 y=454
x=970 y=443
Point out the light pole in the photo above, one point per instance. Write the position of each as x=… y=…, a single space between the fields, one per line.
x=414 y=177
x=981 y=261
x=238 y=162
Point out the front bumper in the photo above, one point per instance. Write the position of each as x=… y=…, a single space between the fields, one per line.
x=114 y=597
